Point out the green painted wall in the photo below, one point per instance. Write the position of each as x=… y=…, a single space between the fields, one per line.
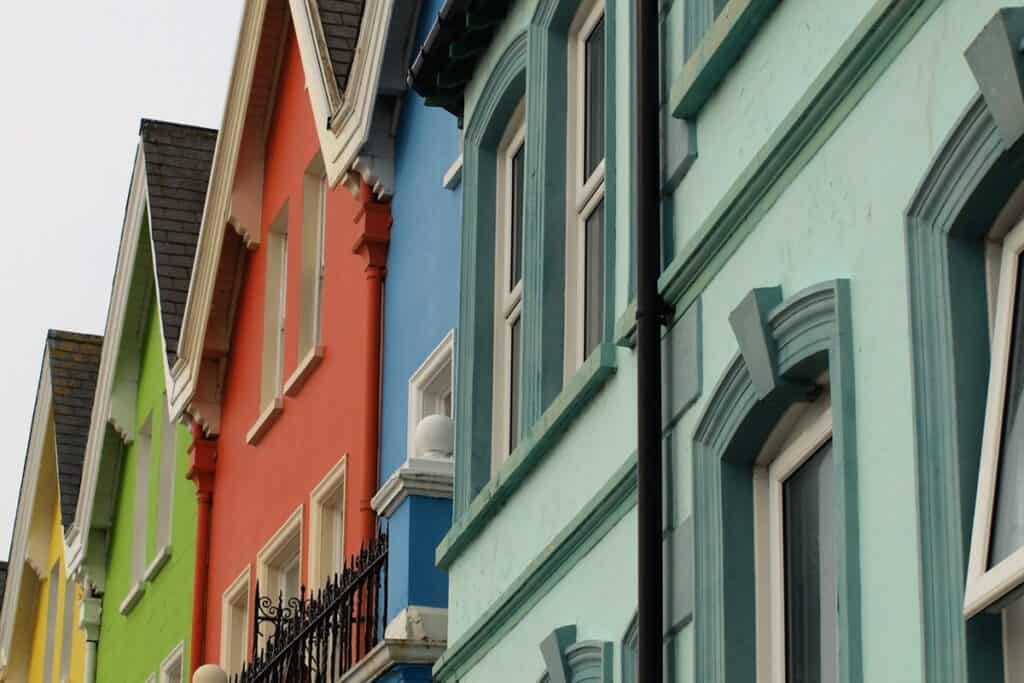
x=838 y=214
x=132 y=646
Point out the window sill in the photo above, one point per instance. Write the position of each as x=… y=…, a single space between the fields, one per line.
x=133 y=597
x=625 y=326
x=158 y=563
x=265 y=421
x=536 y=444
x=721 y=47
x=302 y=373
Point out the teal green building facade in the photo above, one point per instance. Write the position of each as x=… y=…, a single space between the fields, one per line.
x=840 y=194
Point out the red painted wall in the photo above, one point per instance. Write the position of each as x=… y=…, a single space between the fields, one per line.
x=257 y=488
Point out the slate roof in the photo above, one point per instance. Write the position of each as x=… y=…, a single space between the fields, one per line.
x=341 y=20
x=178 y=160
x=74 y=365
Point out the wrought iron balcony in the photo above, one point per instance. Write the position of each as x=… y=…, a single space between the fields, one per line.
x=316 y=638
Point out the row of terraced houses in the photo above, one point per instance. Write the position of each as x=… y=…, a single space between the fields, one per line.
x=365 y=405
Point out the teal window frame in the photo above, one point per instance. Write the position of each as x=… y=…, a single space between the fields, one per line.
x=717 y=33
x=533 y=65
x=784 y=348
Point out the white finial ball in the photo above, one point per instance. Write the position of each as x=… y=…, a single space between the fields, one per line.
x=435 y=435
x=210 y=673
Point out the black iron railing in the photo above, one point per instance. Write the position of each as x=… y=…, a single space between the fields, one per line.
x=316 y=638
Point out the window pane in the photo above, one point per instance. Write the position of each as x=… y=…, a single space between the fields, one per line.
x=593 y=307
x=812 y=650
x=594 y=101
x=517 y=218
x=515 y=367
x=1008 y=528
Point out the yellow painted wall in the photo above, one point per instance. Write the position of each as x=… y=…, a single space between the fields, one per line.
x=37 y=664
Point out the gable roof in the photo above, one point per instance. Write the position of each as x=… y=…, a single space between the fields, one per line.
x=340 y=20
x=74 y=364
x=177 y=160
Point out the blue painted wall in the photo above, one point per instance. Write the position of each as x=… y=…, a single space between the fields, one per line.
x=421 y=301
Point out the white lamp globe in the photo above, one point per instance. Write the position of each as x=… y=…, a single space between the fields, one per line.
x=434 y=436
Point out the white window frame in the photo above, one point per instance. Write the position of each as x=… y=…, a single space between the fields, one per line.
x=274 y=557
x=798 y=437
x=584 y=194
x=52 y=596
x=167 y=463
x=508 y=302
x=311 y=286
x=430 y=386
x=176 y=657
x=236 y=598
x=275 y=296
x=67 y=629
x=987 y=586
x=327 y=517
x=140 y=514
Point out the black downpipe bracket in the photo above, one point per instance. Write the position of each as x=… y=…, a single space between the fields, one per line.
x=650 y=313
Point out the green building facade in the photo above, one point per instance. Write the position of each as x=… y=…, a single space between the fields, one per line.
x=839 y=201
x=134 y=540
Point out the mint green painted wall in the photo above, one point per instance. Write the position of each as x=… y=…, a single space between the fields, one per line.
x=841 y=216
x=132 y=646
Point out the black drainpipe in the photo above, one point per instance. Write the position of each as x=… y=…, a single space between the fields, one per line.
x=650 y=313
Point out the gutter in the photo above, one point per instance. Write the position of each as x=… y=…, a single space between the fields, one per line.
x=650 y=316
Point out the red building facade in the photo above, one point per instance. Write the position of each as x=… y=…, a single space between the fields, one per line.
x=286 y=299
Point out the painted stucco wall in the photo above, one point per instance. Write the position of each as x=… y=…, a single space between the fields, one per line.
x=420 y=308
x=132 y=646
x=55 y=555
x=257 y=488
x=841 y=216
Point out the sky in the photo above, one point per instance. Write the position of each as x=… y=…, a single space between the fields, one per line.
x=75 y=79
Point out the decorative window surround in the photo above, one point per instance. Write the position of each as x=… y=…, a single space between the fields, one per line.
x=67 y=629
x=172 y=669
x=162 y=556
x=275 y=309
x=140 y=515
x=235 y=606
x=52 y=594
x=327 y=525
x=278 y=554
x=427 y=386
x=265 y=421
x=719 y=49
x=312 y=238
x=417 y=635
x=132 y=598
x=534 y=447
x=568 y=660
x=784 y=348
x=303 y=372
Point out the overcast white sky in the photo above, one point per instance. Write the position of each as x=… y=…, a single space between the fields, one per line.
x=75 y=78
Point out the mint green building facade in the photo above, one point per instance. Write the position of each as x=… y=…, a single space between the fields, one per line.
x=840 y=187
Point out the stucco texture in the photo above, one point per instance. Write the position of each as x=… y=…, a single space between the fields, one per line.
x=841 y=216
x=132 y=646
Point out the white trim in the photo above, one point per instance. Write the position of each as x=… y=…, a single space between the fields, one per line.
x=303 y=371
x=265 y=421
x=324 y=496
x=143 y=456
x=267 y=559
x=986 y=586
x=584 y=195
x=797 y=438
x=162 y=556
x=429 y=370
x=508 y=296
x=76 y=539
x=132 y=598
x=426 y=476
x=237 y=592
x=176 y=656
x=453 y=176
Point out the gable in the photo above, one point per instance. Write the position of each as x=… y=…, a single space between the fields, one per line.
x=339 y=25
x=74 y=364
x=177 y=160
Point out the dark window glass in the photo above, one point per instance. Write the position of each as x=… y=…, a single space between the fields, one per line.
x=812 y=646
x=593 y=282
x=516 y=246
x=1008 y=526
x=515 y=367
x=594 y=100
